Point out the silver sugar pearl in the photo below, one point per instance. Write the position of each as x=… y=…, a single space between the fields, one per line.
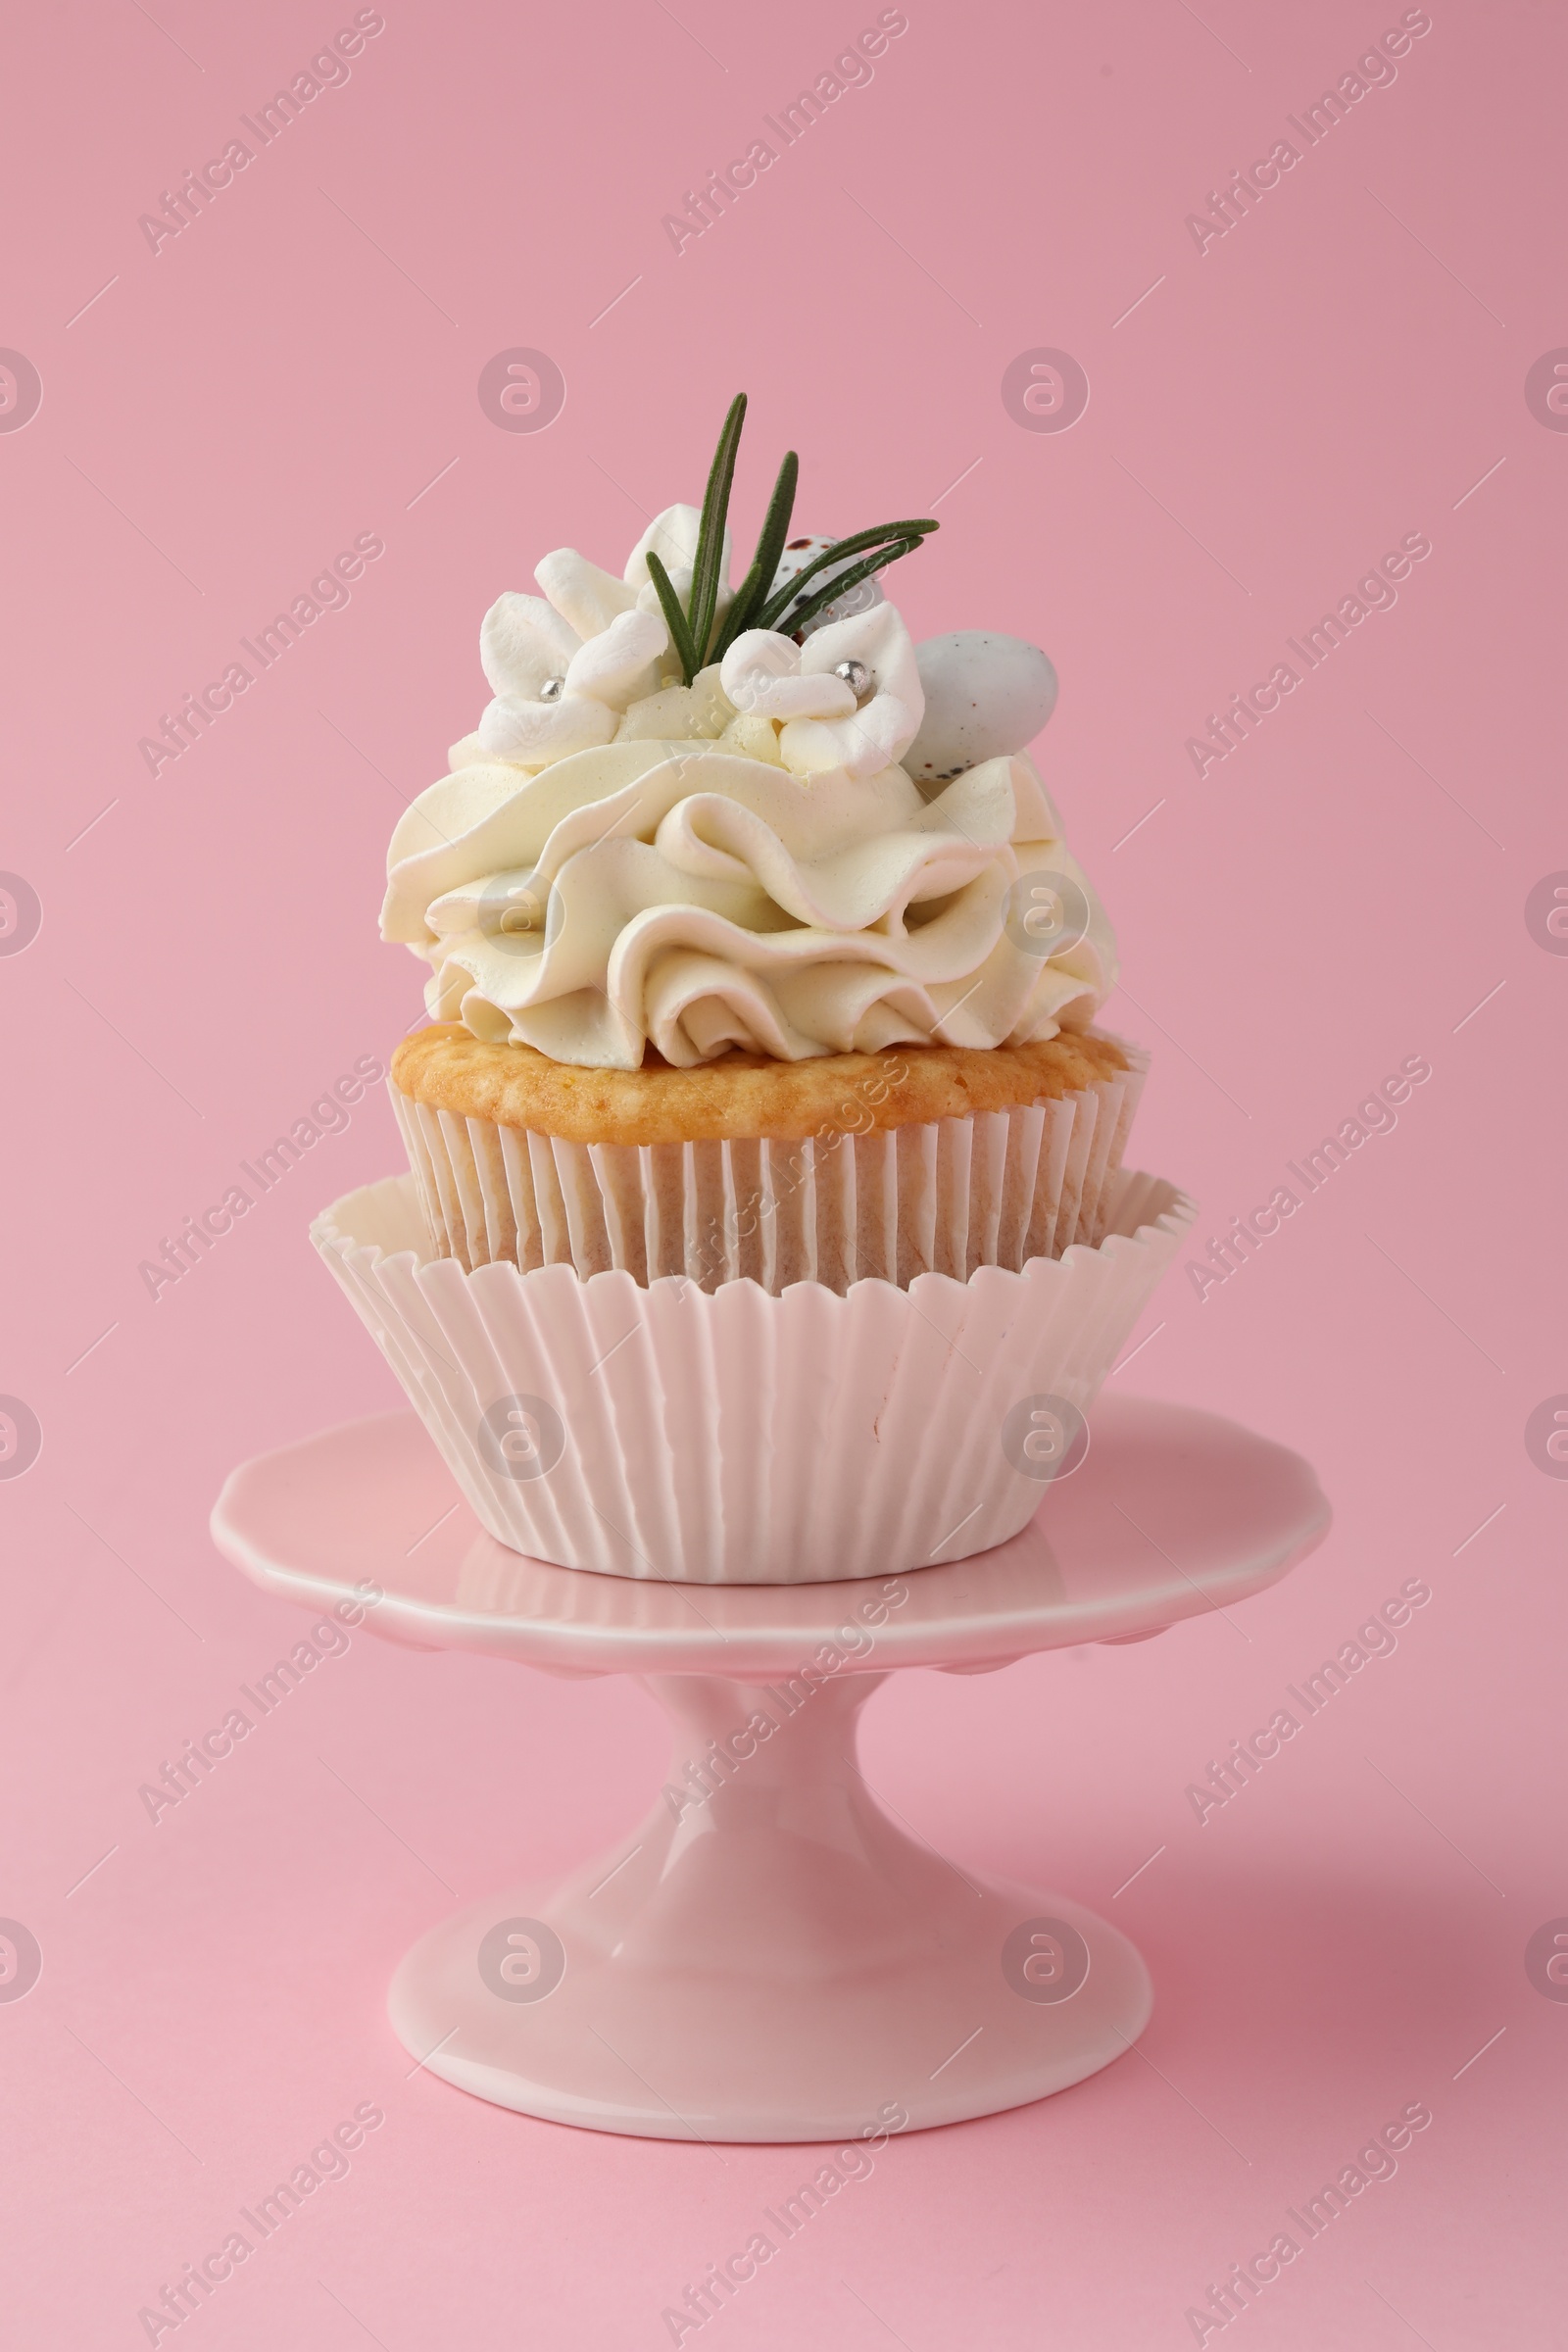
x=552 y=690
x=857 y=677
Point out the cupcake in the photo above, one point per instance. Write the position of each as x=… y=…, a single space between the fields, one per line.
x=761 y=977
x=756 y=947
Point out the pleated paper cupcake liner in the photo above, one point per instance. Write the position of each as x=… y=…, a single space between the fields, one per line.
x=737 y=1437
x=995 y=1190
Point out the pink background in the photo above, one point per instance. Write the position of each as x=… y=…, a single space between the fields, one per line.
x=300 y=366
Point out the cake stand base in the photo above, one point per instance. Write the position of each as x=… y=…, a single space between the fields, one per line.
x=777 y=1960
x=769 y=1956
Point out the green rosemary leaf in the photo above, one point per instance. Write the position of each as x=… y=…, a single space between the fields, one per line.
x=796 y=618
x=734 y=620
x=769 y=547
x=710 y=532
x=768 y=617
x=676 y=619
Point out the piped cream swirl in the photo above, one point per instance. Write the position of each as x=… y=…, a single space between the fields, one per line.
x=701 y=899
x=617 y=859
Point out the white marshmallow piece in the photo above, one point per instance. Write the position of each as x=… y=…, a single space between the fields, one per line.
x=761 y=674
x=529 y=734
x=672 y=537
x=874 y=736
x=618 y=666
x=606 y=640
x=522 y=642
x=585 y=597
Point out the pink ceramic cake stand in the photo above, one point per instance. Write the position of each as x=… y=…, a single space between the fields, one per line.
x=769 y=1956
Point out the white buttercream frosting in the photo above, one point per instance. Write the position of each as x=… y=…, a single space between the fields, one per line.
x=616 y=858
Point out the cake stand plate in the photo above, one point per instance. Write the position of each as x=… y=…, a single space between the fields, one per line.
x=770 y=1955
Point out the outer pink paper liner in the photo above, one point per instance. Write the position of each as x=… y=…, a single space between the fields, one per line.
x=737 y=1438
x=994 y=1189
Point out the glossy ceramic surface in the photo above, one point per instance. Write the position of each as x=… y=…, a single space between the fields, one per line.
x=769 y=1956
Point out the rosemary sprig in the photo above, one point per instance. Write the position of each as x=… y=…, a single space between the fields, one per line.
x=674 y=618
x=910 y=534
x=757 y=603
x=769 y=547
x=710 y=532
x=841 y=583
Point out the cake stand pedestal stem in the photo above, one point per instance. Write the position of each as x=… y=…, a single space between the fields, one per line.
x=768 y=1956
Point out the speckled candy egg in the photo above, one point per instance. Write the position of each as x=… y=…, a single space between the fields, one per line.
x=802 y=550
x=985 y=696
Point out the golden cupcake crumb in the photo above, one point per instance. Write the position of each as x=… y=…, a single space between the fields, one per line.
x=742 y=1094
